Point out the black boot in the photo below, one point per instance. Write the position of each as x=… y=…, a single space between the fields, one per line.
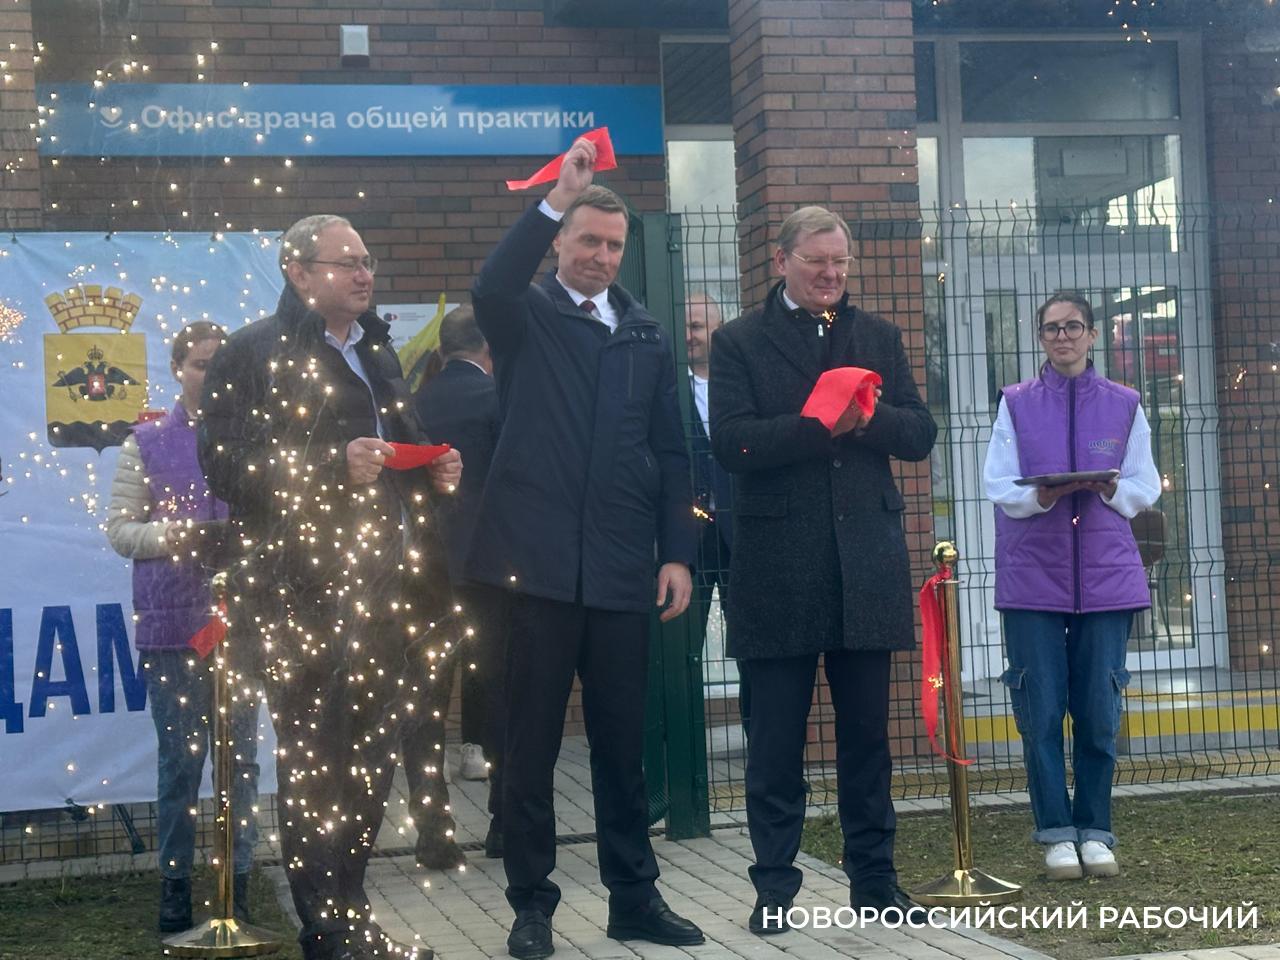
x=240 y=899
x=175 y=905
x=493 y=842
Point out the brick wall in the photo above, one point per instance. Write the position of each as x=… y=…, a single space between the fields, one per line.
x=824 y=113
x=430 y=220
x=1243 y=125
x=19 y=166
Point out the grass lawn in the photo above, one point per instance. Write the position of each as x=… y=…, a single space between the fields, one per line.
x=111 y=917
x=1196 y=850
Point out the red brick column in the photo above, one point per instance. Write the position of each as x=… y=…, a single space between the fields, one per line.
x=19 y=165
x=1243 y=124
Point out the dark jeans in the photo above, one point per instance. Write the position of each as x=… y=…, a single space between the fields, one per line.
x=485 y=610
x=1060 y=663
x=780 y=692
x=180 y=691
x=550 y=641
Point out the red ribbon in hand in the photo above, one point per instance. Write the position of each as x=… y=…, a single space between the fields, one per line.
x=837 y=389
x=410 y=455
x=936 y=667
x=212 y=633
x=605 y=160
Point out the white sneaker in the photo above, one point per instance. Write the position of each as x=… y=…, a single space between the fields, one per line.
x=473 y=765
x=1061 y=862
x=1098 y=859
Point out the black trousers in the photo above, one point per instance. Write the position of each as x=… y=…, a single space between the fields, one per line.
x=550 y=641
x=712 y=570
x=332 y=716
x=780 y=692
x=484 y=609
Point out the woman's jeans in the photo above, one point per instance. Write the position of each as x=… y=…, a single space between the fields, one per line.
x=180 y=690
x=1060 y=663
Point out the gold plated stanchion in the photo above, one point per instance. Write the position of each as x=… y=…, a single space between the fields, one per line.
x=965 y=885
x=222 y=935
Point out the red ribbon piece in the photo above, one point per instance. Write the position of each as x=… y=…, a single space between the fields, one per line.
x=211 y=634
x=838 y=389
x=605 y=160
x=936 y=667
x=410 y=455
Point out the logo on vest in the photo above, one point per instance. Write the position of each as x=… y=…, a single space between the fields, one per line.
x=95 y=383
x=1105 y=445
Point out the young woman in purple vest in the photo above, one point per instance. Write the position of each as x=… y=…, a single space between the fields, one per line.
x=1069 y=577
x=158 y=497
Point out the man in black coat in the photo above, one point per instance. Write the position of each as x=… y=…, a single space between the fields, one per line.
x=820 y=561
x=590 y=471
x=459 y=406
x=712 y=487
x=338 y=587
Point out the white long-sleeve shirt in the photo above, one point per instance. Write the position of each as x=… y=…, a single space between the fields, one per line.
x=1137 y=488
x=130 y=528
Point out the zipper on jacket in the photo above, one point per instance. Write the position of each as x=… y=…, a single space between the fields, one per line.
x=1075 y=497
x=631 y=371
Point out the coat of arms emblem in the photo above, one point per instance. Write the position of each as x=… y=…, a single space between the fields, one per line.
x=95 y=383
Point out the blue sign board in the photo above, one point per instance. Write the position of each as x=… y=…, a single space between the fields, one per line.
x=272 y=120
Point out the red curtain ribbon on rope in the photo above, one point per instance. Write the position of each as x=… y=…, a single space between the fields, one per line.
x=936 y=666
x=212 y=633
x=837 y=389
x=410 y=455
x=605 y=160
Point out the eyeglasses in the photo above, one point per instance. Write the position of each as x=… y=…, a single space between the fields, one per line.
x=840 y=263
x=1074 y=330
x=352 y=265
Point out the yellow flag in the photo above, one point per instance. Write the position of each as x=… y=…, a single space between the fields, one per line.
x=414 y=354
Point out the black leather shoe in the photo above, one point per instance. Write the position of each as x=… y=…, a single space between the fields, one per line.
x=175 y=905
x=655 y=922
x=435 y=852
x=777 y=920
x=376 y=944
x=893 y=901
x=493 y=843
x=530 y=936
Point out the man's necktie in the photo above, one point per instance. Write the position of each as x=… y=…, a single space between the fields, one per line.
x=589 y=306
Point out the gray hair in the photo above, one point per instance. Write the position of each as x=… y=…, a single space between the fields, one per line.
x=808 y=220
x=300 y=241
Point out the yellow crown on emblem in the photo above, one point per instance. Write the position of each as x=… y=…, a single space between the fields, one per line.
x=91 y=306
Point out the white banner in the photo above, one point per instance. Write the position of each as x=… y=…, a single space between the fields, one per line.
x=85 y=327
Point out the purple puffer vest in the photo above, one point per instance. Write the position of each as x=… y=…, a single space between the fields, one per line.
x=1081 y=556
x=171 y=600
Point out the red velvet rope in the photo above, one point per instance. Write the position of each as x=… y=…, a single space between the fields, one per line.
x=936 y=667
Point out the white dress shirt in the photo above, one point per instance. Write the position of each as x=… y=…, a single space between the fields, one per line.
x=348 y=351
x=1137 y=488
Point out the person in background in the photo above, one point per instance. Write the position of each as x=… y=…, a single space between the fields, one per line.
x=163 y=517
x=1069 y=577
x=459 y=406
x=712 y=488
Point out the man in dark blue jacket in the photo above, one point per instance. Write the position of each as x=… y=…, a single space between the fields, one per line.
x=590 y=471
x=459 y=406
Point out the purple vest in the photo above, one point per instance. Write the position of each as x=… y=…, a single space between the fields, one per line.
x=171 y=600
x=1081 y=556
